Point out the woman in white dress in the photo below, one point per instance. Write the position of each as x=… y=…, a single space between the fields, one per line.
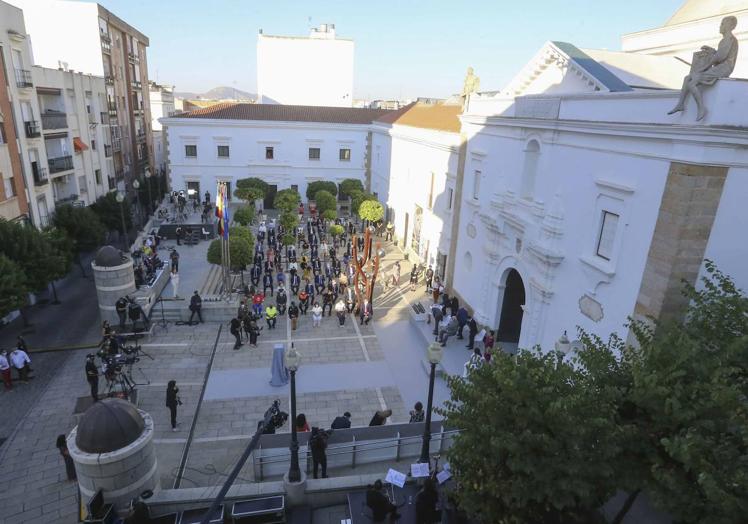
x=174 y=277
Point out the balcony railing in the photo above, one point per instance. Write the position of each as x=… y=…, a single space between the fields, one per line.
x=109 y=80
x=116 y=144
x=104 y=118
x=107 y=150
x=66 y=200
x=106 y=38
x=40 y=175
x=106 y=43
x=136 y=84
x=23 y=78
x=119 y=175
x=133 y=57
x=54 y=121
x=140 y=135
x=59 y=164
x=32 y=129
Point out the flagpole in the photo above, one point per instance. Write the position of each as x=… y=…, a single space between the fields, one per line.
x=227 y=215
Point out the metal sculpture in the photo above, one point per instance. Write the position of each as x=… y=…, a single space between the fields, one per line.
x=362 y=278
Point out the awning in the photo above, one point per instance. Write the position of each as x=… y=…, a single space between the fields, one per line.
x=78 y=144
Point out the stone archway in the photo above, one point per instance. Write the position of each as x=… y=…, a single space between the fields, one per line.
x=510 y=318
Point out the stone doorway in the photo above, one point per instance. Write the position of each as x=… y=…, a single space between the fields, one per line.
x=510 y=320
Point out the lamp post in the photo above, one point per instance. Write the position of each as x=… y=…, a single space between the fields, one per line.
x=148 y=183
x=562 y=346
x=121 y=198
x=136 y=186
x=293 y=360
x=435 y=354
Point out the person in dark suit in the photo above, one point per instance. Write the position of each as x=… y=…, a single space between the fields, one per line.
x=343 y=422
x=379 y=504
x=472 y=332
x=426 y=501
x=196 y=306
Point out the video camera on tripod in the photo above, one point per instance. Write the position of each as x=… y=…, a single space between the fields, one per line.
x=277 y=418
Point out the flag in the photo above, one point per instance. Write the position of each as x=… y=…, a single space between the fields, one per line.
x=226 y=217
x=219 y=209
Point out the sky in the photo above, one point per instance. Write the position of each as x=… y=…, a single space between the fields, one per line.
x=403 y=49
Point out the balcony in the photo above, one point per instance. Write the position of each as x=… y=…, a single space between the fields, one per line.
x=105 y=38
x=109 y=80
x=140 y=136
x=32 y=129
x=23 y=78
x=104 y=118
x=106 y=43
x=116 y=144
x=119 y=175
x=136 y=84
x=40 y=175
x=70 y=199
x=59 y=164
x=92 y=118
x=107 y=150
x=54 y=121
x=133 y=57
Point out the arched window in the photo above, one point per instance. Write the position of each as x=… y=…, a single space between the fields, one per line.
x=529 y=172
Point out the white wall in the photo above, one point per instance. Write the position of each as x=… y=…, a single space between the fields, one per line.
x=247 y=141
x=304 y=71
x=64 y=32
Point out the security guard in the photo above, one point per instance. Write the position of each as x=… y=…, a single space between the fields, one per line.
x=92 y=376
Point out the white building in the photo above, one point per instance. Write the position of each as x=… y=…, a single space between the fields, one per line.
x=315 y=70
x=287 y=146
x=162 y=105
x=584 y=203
x=415 y=160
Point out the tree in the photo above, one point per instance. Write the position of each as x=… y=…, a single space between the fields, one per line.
x=253 y=183
x=59 y=258
x=13 y=286
x=248 y=194
x=82 y=227
x=288 y=239
x=241 y=244
x=371 y=210
x=358 y=198
x=335 y=230
x=244 y=215
x=108 y=210
x=325 y=201
x=287 y=200
x=289 y=220
x=321 y=185
x=349 y=186
x=41 y=257
x=330 y=214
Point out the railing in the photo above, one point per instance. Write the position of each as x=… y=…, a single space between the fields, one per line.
x=104 y=118
x=106 y=38
x=107 y=150
x=23 y=78
x=40 y=175
x=54 y=121
x=119 y=175
x=32 y=129
x=109 y=80
x=111 y=106
x=66 y=200
x=116 y=144
x=136 y=84
x=133 y=57
x=92 y=118
x=140 y=134
x=367 y=448
x=106 y=42
x=61 y=163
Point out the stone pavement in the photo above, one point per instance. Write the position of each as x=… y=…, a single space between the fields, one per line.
x=355 y=368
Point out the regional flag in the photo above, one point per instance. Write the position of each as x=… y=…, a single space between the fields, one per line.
x=219 y=209
x=226 y=217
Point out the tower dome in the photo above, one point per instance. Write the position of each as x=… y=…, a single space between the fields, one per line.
x=109 y=425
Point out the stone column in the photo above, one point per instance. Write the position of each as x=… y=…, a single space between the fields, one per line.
x=111 y=284
x=122 y=474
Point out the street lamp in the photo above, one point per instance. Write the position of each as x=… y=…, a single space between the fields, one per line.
x=136 y=186
x=121 y=198
x=562 y=346
x=293 y=360
x=435 y=353
x=148 y=183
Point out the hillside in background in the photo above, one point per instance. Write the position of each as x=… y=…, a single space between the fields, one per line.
x=218 y=93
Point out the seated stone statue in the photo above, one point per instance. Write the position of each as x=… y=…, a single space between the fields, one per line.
x=709 y=66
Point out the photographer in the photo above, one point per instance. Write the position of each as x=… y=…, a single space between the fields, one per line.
x=196 y=305
x=318 y=445
x=92 y=376
x=172 y=401
x=121 y=307
x=135 y=311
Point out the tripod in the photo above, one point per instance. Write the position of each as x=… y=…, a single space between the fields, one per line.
x=163 y=322
x=121 y=382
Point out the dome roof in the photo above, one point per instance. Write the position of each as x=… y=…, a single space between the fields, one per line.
x=109 y=425
x=108 y=256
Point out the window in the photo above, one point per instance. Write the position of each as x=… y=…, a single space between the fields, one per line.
x=190 y=151
x=97 y=174
x=295 y=187
x=313 y=153
x=529 y=172
x=476 y=184
x=93 y=144
x=10 y=188
x=431 y=192
x=223 y=151
x=269 y=153
x=3 y=140
x=605 y=241
x=345 y=155
x=450 y=195
x=82 y=184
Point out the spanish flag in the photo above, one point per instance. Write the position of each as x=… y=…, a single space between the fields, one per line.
x=219 y=209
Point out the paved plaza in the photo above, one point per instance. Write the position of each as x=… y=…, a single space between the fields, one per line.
x=353 y=368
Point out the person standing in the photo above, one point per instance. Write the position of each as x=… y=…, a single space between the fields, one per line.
x=235 y=328
x=417 y=414
x=5 y=370
x=340 y=312
x=413 y=277
x=302 y=426
x=174 y=278
x=318 y=445
x=379 y=504
x=426 y=501
x=196 y=306
x=316 y=315
x=62 y=446
x=20 y=360
x=174 y=256
x=366 y=312
x=388 y=233
x=472 y=332
x=293 y=315
x=303 y=302
x=172 y=401
x=121 y=307
x=178 y=234
x=462 y=318
x=429 y=279
x=92 y=376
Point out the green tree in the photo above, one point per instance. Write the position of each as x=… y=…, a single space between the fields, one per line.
x=289 y=220
x=288 y=239
x=349 y=186
x=13 y=286
x=371 y=210
x=241 y=244
x=321 y=185
x=330 y=214
x=82 y=227
x=287 y=200
x=335 y=230
x=244 y=215
x=358 y=198
x=108 y=210
x=41 y=257
x=248 y=194
x=325 y=201
x=253 y=183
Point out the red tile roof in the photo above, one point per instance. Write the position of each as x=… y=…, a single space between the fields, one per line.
x=440 y=117
x=287 y=113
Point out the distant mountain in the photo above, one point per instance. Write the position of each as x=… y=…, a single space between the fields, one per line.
x=218 y=93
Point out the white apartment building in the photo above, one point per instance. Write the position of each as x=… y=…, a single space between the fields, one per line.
x=162 y=105
x=415 y=160
x=315 y=70
x=287 y=146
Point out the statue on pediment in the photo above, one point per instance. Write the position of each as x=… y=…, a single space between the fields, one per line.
x=708 y=66
x=471 y=84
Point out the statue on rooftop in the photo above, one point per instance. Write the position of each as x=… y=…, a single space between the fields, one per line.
x=709 y=65
x=471 y=84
